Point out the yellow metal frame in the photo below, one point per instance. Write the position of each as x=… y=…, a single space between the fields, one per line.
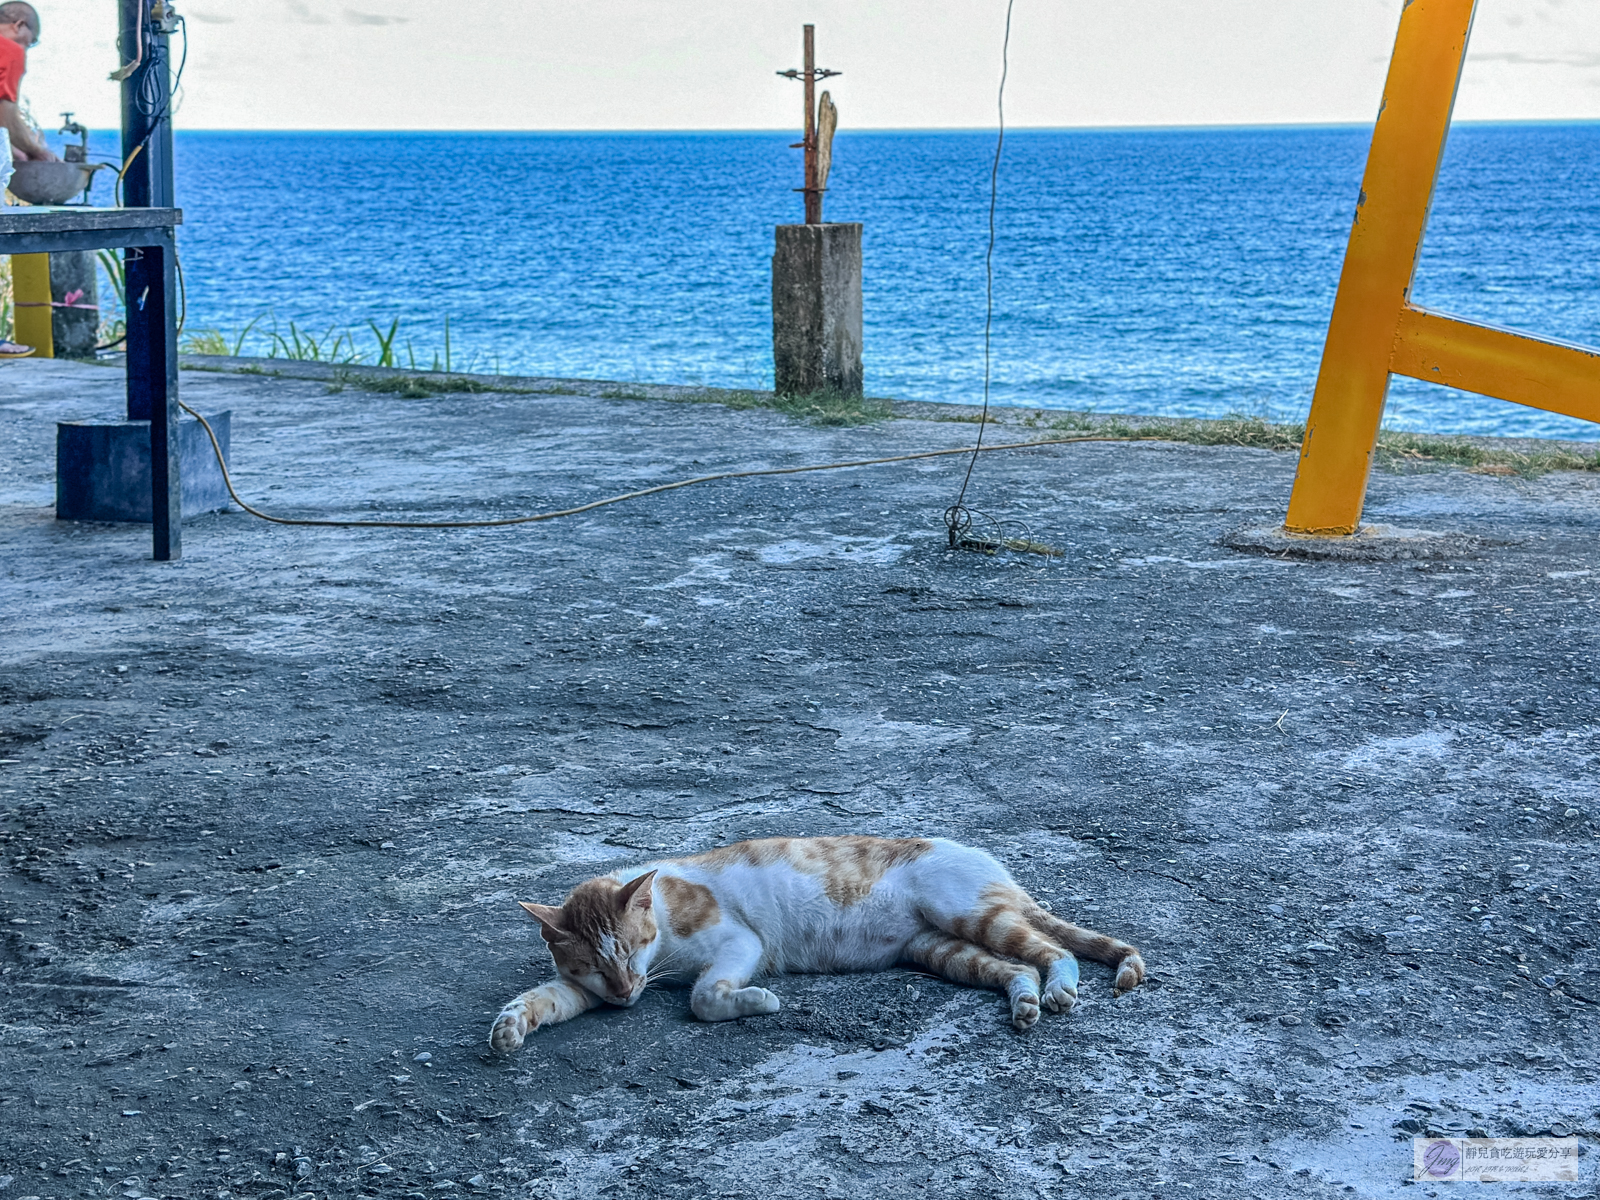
x=1375 y=330
x=31 y=310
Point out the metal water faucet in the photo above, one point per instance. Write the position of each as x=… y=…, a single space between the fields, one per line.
x=71 y=128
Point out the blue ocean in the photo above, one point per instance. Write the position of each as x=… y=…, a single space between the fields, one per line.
x=1183 y=272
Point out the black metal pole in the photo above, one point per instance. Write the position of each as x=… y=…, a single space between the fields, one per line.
x=150 y=274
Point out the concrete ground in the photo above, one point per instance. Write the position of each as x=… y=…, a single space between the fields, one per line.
x=265 y=812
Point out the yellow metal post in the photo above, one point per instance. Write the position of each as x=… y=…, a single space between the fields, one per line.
x=30 y=303
x=1391 y=215
x=1375 y=330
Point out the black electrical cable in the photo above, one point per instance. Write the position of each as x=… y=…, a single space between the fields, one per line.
x=957 y=518
x=144 y=98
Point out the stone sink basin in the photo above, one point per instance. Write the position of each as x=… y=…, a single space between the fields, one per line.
x=51 y=182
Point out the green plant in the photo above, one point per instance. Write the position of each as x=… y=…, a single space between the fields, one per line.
x=113 y=326
x=205 y=341
x=385 y=341
x=111 y=263
x=447 y=364
x=214 y=341
x=335 y=346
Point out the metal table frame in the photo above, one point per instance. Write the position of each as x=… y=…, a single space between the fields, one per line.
x=152 y=345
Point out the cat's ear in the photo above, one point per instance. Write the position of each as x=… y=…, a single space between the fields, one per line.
x=549 y=919
x=636 y=895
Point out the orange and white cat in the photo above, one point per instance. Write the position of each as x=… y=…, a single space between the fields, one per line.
x=827 y=904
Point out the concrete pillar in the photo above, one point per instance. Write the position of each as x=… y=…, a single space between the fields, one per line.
x=816 y=309
x=75 y=322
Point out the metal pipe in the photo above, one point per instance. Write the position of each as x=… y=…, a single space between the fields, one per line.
x=813 y=196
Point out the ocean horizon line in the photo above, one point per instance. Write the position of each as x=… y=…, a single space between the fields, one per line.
x=1019 y=130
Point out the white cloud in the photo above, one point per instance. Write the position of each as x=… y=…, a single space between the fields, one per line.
x=361 y=18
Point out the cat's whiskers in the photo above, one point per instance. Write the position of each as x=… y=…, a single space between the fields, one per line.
x=660 y=972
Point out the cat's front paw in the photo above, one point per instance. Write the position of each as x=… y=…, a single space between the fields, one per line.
x=1059 y=998
x=509 y=1029
x=755 y=1002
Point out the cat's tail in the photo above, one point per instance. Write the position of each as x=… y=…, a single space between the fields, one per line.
x=1086 y=943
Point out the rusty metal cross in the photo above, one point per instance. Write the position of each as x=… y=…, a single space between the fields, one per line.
x=814 y=185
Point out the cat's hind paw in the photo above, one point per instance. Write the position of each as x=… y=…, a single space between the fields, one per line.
x=1059 y=998
x=509 y=1029
x=1025 y=1012
x=1023 y=992
x=1130 y=974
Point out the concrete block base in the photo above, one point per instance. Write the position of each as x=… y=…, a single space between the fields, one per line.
x=1371 y=543
x=816 y=309
x=103 y=469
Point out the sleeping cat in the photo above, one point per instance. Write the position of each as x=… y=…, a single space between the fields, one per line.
x=805 y=904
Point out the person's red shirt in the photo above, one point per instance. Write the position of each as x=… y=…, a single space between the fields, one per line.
x=13 y=61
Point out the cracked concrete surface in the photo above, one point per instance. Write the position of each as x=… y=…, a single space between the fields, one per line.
x=265 y=812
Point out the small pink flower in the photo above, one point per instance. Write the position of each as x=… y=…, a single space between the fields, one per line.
x=73 y=297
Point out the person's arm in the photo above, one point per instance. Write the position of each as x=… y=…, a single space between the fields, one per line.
x=26 y=146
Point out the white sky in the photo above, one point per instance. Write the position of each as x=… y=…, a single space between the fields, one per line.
x=708 y=64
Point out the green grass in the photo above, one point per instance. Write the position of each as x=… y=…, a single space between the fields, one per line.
x=1400 y=450
x=1397 y=450
x=417 y=387
x=820 y=408
x=1233 y=430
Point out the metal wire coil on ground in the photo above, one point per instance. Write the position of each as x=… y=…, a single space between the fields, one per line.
x=996 y=535
x=324 y=522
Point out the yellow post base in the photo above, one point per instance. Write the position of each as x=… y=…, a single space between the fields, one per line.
x=30 y=303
